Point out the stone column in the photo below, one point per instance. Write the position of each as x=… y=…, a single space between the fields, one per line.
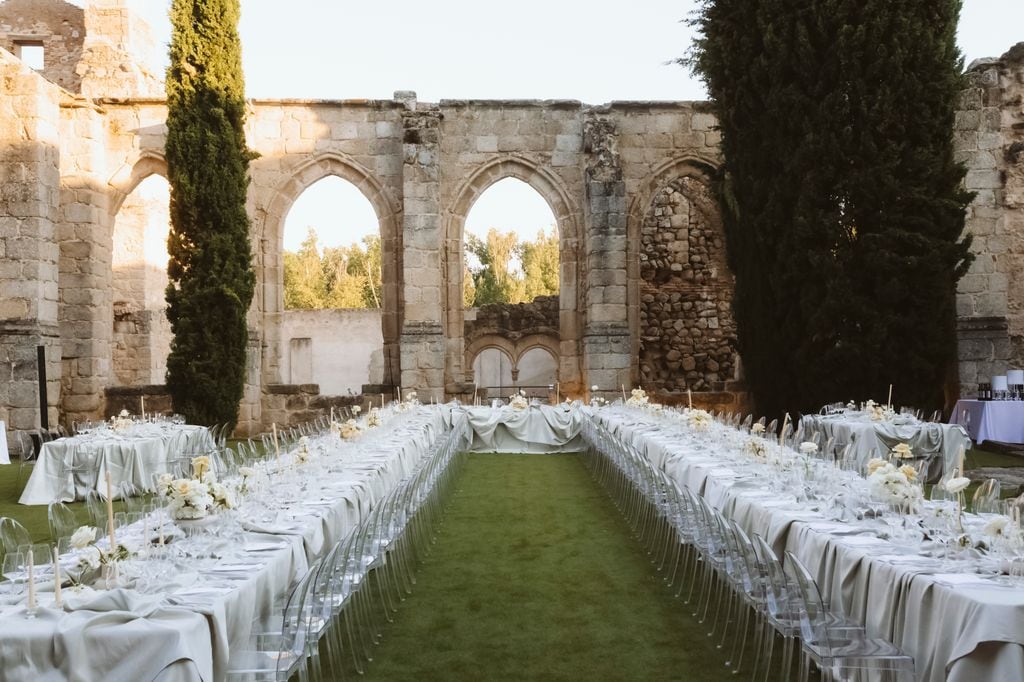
x=422 y=340
x=606 y=340
x=29 y=191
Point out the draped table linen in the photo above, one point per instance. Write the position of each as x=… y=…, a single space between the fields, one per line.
x=540 y=429
x=940 y=444
x=1001 y=421
x=129 y=458
x=5 y=456
x=187 y=630
x=959 y=627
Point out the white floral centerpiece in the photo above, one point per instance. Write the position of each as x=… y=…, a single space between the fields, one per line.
x=302 y=452
x=757 y=429
x=879 y=413
x=409 y=402
x=518 y=401
x=356 y=410
x=699 y=420
x=195 y=498
x=895 y=486
x=955 y=485
x=757 y=447
x=902 y=451
x=350 y=429
x=637 y=398
x=374 y=418
x=83 y=540
x=809 y=448
x=122 y=422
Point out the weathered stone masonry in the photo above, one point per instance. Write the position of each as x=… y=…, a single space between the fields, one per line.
x=644 y=288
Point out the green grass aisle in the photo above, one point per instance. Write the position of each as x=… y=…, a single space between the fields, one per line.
x=535 y=577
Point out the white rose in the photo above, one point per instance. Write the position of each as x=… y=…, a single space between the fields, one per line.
x=902 y=451
x=808 y=448
x=955 y=485
x=83 y=537
x=996 y=526
x=594 y=387
x=356 y=409
x=757 y=428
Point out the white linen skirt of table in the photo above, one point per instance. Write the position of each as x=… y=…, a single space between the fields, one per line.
x=1001 y=421
x=5 y=456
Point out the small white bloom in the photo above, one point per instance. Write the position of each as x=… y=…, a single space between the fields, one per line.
x=356 y=409
x=996 y=526
x=124 y=413
x=594 y=387
x=903 y=451
x=83 y=537
x=757 y=428
x=808 y=448
x=955 y=485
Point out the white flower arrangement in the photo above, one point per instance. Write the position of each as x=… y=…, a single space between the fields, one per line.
x=903 y=451
x=350 y=429
x=409 y=402
x=757 y=447
x=373 y=418
x=89 y=555
x=757 y=428
x=893 y=486
x=356 y=409
x=247 y=473
x=809 y=448
x=122 y=422
x=197 y=497
x=699 y=420
x=303 y=453
x=956 y=484
x=518 y=401
x=638 y=398
x=597 y=401
x=996 y=527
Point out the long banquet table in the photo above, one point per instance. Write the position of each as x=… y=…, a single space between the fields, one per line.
x=132 y=457
x=959 y=626
x=940 y=444
x=183 y=624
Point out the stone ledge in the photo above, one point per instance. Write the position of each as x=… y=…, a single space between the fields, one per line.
x=292 y=389
x=981 y=325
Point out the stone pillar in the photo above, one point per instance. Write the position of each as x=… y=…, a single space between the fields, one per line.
x=86 y=245
x=423 y=339
x=606 y=340
x=29 y=191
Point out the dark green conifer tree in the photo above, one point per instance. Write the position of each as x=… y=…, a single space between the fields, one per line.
x=210 y=270
x=842 y=200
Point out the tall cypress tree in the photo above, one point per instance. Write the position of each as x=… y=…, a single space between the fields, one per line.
x=843 y=204
x=210 y=270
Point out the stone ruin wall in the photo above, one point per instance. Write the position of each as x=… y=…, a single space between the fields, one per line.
x=58 y=25
x=989 y=140
x=69 y=163
x=687 y=334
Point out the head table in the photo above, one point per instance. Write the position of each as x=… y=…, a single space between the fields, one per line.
x=185 y=605
x=959 y=620
x=538 y=429
x=131 y=455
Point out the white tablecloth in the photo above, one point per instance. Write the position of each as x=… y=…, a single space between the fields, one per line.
x=940 y=444
x=5 y=456
x=133 y=459
x=537 y=429
x=1001 y=421
x=958 y=627
x=188 y=630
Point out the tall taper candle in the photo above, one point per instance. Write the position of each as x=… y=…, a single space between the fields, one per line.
x=889 y=401
x=689 y=398
x=277 y=448
x=558 y=393
x=332 y=414
x=782 y=431
x=142 y=405
x=57 y=601
x=960 y=460
x=110 y=514
x=382 y=401
x=623 y=386
x=31 y=580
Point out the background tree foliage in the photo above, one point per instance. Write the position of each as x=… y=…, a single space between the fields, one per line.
x=843 y=203
x=350 y=276
x=210 y=268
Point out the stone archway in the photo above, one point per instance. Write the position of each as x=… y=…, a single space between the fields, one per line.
x=567 y=217
x=680 y=286
x=269 y=301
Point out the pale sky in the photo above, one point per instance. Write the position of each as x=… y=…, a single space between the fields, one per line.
x=591 y=50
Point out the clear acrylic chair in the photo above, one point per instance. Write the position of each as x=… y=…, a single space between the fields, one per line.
x=986 y=498
x=63 y=522
x=841 y=655
x=13 y=535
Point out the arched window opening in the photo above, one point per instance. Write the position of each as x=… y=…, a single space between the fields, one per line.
x=333 y=290
x=511 y=246
x=538 y=368
x=492 y=368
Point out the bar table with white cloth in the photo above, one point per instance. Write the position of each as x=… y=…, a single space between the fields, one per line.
x=1001 y=421
x=940 y=444
x=959 y=627
x=133 y=456
x=183 y=625
x=5 y=456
